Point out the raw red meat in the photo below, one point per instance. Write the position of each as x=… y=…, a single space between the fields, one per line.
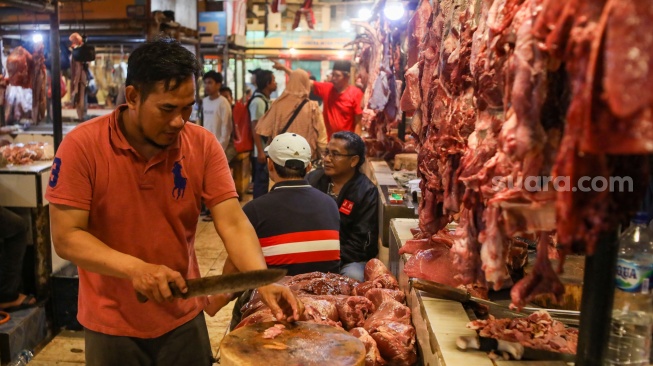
x=372 y=355
x=396 y=343
x=389 y=311
x=538 y=330
x=273 y=331
x=380 y=295
x=19 y=68
x=353 y=310
x=435 y=264
x=543 y=279
x=375 y=268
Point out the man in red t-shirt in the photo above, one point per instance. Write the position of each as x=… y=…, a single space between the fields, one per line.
x=125 y=192
x=342 y=102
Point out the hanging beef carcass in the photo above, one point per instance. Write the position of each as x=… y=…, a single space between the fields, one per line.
x=39 y=80
x=18 y=95
x=19 y=67
x=78 y=80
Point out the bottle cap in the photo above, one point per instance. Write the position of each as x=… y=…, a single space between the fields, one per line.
x=640 y=218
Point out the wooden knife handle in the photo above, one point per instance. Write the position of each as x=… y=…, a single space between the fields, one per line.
x=176 y=292
x=440 y=290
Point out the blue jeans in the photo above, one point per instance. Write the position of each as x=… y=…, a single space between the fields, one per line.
x=355 y=270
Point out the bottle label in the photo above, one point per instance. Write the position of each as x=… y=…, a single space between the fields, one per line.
x=634 y=277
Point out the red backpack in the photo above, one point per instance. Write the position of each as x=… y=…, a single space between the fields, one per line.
x=243 y=135
x=243 y=138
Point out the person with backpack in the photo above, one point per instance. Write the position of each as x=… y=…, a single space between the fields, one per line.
x=295 y=112
x=257 y=106
x=216 y=113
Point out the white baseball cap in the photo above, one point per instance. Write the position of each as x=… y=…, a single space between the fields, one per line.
x=289 y=147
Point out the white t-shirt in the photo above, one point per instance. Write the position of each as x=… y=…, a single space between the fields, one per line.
x=217 y=119
x=257 y=109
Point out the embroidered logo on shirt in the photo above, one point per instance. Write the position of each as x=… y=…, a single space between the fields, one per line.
x=179 y=180
x=54 y=173
x=346 y=207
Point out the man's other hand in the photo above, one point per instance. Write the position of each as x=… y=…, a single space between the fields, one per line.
x=284 y=304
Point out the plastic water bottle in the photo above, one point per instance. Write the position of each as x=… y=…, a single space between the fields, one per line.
x=632 y=313
x=24 y=357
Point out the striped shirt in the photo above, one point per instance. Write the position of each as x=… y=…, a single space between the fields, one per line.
x=298 y=228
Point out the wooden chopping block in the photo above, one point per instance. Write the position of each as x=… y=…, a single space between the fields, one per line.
x=572 y=279
x=405 y=161
x=301 y=343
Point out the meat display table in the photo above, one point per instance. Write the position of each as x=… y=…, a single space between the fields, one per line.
x=23 y=186
x=381 y=175
x=438 y=323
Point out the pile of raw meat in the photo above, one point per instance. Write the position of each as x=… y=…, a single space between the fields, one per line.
x=538 y=331
x=514 y=103
x=21 y=154
x=373 y=311
x=23 y=92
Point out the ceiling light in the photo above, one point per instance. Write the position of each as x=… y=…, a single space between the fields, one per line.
x=364 y=14
x=37 y=38
x=394 y=11
x=346 y=25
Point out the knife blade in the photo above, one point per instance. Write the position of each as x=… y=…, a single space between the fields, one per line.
x=515 y=350
x=232 y=282
x=569 y=317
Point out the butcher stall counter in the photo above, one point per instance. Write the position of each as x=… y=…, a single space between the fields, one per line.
x=384 y=177
x=438 y=323
x=23 y=187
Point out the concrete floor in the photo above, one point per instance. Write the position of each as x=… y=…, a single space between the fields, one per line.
x=67 y=348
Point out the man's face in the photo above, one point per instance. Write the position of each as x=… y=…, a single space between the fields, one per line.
x=211 y=87
x=273 y=84
x=227 y=94
x=339 y=79
x=162 y=116
x=338 y=160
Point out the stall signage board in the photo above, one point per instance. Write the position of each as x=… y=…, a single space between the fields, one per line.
x=317 y=40
x=93 y=10
x=213 y=26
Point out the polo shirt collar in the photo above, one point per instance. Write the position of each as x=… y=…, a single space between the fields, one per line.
x=291 y=183
x=119 y=140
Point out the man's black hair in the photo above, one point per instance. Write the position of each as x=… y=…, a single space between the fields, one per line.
x=292 y=171
x=226 y=88
x=354 y=145
x=263 y=78
x=216 y=76
x=163 y=59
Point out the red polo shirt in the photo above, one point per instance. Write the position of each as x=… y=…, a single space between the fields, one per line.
x=339 y=109
x=147 y=209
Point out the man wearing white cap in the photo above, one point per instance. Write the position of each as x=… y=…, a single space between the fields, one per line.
x=293 y=234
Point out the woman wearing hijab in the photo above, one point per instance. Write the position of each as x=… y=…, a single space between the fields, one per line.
x=294 y=101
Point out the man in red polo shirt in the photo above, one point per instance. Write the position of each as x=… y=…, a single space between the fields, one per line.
x=342 y=102
x=125 y=193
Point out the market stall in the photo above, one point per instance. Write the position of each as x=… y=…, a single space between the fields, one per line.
x=514 y=105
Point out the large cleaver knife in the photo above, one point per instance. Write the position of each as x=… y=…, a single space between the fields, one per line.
x=439 y=290
x=224 y=283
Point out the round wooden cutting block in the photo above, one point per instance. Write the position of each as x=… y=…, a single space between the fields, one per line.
x=301 y=343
